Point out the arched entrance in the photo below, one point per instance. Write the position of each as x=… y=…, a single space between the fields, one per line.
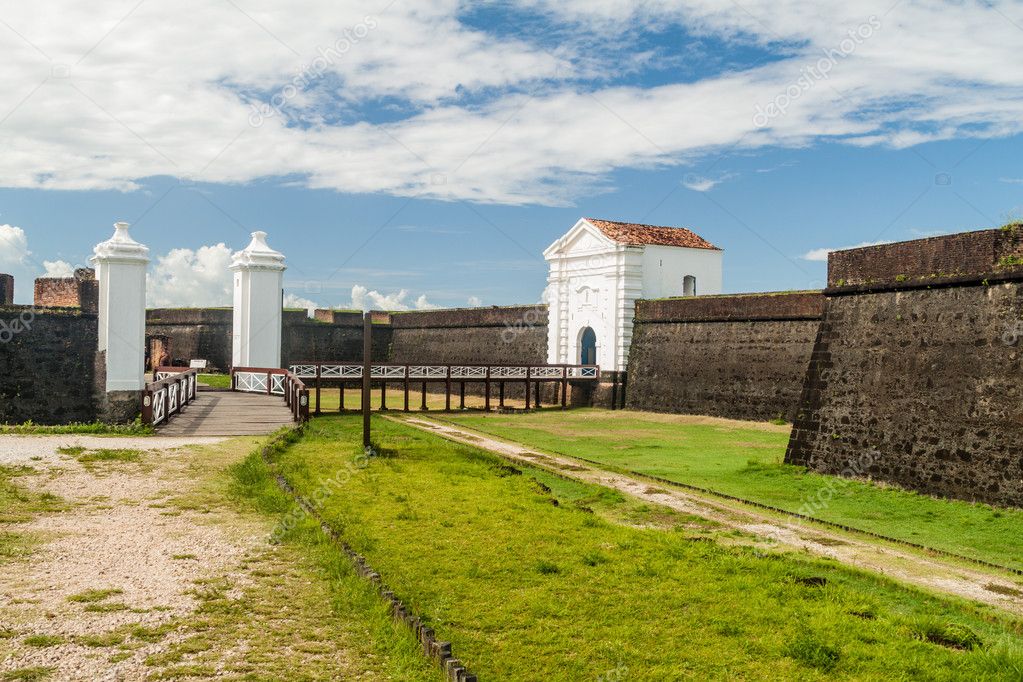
x=587 y=346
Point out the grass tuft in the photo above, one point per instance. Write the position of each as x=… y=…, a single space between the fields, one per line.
x=43 y=641
x=32 y=674
x=947 y=634
x=811 y=650
x=91 y=596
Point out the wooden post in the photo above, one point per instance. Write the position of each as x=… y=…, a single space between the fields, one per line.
x=527 y=389
x=486 y=405
x=500 y=395
x=614 y=390
x=406 y=388
x=317 y=390
x=461 y=396
x=341 y=397
x=536 y=401
x=424 y=407
x=447 y=390
x=383 y=395
x=367 y=350
x=564 y=393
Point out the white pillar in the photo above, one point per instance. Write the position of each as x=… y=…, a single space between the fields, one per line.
x=258 y=305
x=121 y=271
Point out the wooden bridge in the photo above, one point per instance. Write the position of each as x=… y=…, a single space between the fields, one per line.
x=262 y=400
x=177 y=405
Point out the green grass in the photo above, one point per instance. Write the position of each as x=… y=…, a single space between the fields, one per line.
x=216 y=380
x=528 y=589
x=43 y=641
x=102 y=455
x=18 y=504
x=93 y=596
x=31 y=674
x=746 y=460
x=136 y=428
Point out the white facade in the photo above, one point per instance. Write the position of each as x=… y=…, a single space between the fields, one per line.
x=120 y=264
x=594 y=282
x=258 y=305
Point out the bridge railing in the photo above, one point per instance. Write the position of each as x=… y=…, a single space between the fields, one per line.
x=272 y=381
x=172 y=389
x=339 y=374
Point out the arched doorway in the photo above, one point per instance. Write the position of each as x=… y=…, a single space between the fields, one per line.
x=587 y=346
x=688 y=285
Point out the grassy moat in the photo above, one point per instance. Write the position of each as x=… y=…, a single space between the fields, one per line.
x=532 y=576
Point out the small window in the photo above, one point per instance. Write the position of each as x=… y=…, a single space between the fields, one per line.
x=688 y=285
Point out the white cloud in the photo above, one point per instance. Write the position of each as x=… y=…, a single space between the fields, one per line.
x=821 y=255
x=13 y=247
x=475 y=302
x=699 y=183
x=293 y=301
x=423 y=304
x=137 y=105
x=365 y=299
x=187 y=278
x=58 y=268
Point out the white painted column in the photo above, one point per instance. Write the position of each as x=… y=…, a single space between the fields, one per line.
x=258 y=305
x=120 y=264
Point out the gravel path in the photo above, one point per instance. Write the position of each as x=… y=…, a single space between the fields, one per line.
x=34 y=450
x=117 y=534
x=988 y=587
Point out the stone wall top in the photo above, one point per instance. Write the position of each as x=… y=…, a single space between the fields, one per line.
x=948 y=258
x=189 y=316
x=782 y=305
x=471 y=317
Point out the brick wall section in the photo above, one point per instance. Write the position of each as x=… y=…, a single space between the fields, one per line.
x=741 y=357
x=937 y=259
x=47 y=369
x=56 y=292
x=925 y=383
x=80 y=291
x=6 y=289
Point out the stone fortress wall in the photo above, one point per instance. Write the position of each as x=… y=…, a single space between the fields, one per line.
x=740 y=356
x=48 y=365
x=915 y=374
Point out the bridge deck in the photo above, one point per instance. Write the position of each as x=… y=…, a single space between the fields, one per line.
x=227 y=413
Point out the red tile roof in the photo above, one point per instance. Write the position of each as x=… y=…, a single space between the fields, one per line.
x=638 y=234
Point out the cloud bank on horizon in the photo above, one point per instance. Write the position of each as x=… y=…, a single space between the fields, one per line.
x=453 y=100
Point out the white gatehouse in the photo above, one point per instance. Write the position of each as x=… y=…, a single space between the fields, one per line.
x=600 y=268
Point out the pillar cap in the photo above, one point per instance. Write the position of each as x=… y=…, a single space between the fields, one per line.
x=258 y=256
x=120 y=248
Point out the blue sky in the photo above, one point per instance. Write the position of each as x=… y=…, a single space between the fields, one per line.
x=438 y=150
